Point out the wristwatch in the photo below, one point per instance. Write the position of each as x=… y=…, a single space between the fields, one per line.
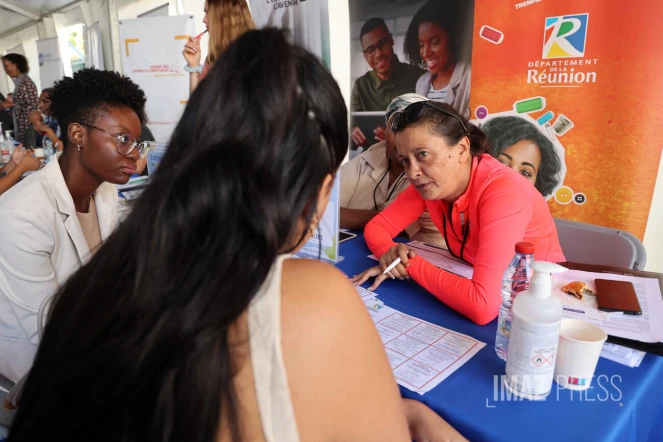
x=198 y=69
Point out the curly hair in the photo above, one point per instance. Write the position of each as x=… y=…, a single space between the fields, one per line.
x=454 y=17
x=81 y=98
x=503 y=132
x=19 y=60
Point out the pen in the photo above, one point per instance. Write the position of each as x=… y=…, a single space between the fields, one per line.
x=392 y=265
x=200 y=35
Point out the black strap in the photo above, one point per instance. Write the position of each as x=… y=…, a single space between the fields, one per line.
x=465 y=232
x=393 y=189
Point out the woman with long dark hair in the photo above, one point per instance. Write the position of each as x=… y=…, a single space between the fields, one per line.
x=191 y=322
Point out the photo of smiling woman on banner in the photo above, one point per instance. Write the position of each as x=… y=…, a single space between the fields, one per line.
x=439 y=39
x=522 y=145
x=405 y=46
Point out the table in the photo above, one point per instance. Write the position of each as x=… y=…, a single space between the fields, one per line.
x=623 y=404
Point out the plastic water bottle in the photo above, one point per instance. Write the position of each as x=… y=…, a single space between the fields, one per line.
x=4 y=152
x=49 y=150
x=516 y=279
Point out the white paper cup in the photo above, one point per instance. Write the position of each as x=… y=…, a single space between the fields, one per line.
x=39 y=152
x=578 y=352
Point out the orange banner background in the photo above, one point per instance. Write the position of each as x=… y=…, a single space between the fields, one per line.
x=614 y=149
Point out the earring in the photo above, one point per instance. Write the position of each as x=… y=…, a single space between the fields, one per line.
x=79 y=148
x=313 y=227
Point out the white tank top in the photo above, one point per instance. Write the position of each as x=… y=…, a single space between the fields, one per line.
x=271 y=380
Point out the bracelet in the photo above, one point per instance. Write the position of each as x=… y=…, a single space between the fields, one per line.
x=197 y=70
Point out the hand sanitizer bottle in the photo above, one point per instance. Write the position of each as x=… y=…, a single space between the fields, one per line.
x=530 y=363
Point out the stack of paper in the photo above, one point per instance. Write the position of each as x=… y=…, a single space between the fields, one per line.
x=421 y=354
x=647 y=327
x=440 y=258
x=622 y=355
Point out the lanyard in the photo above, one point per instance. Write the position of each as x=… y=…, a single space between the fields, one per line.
x=465 y=230
x=393 y=188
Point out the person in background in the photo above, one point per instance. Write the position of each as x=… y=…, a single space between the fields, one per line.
x=225 y=20
x=387 y=79
x=518 y=144
x=372 y=180
x=438 y=39
x=53 y=220
x=6 y=118
x=44 y=123
x=25 y=98
x=22 y=161
x=145 y=135
x=480 y=206
x=160 y=338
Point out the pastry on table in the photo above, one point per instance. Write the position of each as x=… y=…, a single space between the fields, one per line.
x=578 y=289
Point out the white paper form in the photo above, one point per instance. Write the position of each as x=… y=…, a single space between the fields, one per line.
x=647 y=327
x=421 y=354
x=440 y=258
x=364 y=293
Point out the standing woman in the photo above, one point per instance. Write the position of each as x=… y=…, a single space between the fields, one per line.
x=26 y=97
x=225 y=20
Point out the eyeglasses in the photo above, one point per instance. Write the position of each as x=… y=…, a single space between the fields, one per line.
x=416 y=108
x=125 y=144
x=382 y=44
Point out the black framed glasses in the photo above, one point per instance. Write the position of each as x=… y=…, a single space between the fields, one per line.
x=382 y=44
x=125 y=144
x=413 y=111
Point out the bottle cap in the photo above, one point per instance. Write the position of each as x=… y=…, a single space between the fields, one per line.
x=526 y=248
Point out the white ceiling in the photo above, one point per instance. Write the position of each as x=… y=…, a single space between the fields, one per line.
x=10 y=20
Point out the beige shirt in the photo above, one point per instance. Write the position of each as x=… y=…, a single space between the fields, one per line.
x=90 y=226
x=365 y=176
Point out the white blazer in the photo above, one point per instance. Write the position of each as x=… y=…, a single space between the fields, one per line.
x=41 y=245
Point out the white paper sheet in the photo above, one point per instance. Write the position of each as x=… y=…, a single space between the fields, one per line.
x=421 y=354
x=622 y=355
x=363 y=292
x=440 y=258
x=647 y=327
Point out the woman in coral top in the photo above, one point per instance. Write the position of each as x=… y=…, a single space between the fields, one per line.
x=481 y=207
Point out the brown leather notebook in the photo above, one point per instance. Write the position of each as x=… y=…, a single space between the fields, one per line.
x=657 y=348
x=617 y=296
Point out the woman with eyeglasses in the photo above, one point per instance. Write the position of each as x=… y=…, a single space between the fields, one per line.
x=480 y=206
x=56 y=218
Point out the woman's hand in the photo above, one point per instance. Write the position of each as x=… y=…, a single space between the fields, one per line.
x=373 y=271
x=426 y=426
x=398 y=251
x=30 y=162
x=18 y=154
x=358 y=136
x=192 y=53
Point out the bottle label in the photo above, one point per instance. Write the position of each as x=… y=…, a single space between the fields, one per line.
x=531 y=361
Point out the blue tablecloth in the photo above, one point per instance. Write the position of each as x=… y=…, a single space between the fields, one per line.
x=623 y=404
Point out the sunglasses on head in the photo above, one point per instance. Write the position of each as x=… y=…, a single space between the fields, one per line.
x=417 y=108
